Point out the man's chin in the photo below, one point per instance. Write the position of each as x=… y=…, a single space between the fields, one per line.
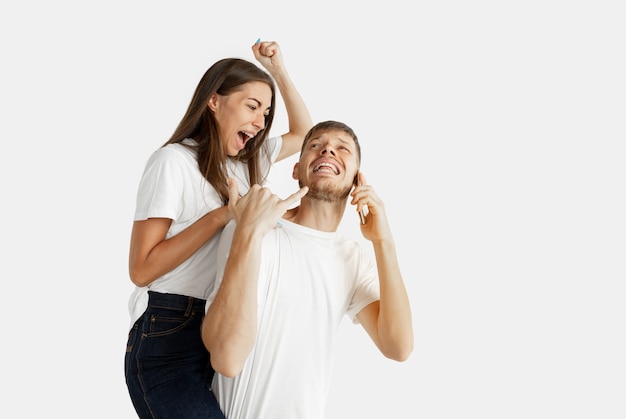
x=327 y=194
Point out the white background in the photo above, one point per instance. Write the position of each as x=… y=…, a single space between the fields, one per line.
x=493 y=130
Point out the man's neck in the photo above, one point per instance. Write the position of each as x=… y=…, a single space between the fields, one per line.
x=319 y=215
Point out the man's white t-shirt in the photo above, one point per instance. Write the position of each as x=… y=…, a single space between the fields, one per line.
x=308 y=281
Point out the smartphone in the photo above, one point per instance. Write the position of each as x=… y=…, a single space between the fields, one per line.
x=362 y=212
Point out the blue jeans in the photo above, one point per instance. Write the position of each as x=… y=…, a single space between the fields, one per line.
x=167 y=367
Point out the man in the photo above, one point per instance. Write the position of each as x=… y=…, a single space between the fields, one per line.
x=289 y=278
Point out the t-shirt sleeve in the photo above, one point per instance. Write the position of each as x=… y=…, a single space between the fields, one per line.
x=367 y=288
x=160 y=188
x=274 y=144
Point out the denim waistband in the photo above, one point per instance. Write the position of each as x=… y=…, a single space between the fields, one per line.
x=176 y=301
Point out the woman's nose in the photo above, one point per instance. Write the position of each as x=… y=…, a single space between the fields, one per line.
x=259 y=121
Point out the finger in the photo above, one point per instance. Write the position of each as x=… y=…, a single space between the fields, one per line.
x=233 y=191
x=362 y=180
x=270 y=50
x=296 y=196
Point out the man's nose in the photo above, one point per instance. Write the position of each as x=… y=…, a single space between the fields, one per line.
x=328 y=150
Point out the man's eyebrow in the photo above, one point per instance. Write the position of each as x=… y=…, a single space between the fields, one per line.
x=344 y=141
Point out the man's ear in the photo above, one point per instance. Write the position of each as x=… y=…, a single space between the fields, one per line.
x=213 y=101
x=294 y=174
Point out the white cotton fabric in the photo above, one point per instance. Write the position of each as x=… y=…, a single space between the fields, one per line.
x=173 y=187
x=308 y=281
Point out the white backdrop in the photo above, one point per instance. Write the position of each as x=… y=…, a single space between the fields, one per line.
x=494 y=131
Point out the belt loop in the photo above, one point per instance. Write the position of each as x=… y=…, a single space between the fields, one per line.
x=189 y=306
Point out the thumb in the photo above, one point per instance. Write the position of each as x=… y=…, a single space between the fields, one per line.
x=233 y=191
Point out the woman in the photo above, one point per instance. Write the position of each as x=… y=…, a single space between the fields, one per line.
x=181 y=209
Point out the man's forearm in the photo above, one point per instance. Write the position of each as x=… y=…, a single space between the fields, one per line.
x=395 y=325
x=230 y=325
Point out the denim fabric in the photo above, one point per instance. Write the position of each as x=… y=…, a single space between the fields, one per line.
x=168 y=373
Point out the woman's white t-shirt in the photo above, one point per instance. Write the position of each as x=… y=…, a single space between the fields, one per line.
x=173 y=187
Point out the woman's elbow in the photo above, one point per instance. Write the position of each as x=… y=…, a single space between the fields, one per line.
x=139 y=276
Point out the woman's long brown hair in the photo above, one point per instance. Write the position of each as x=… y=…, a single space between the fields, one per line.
x=224 y=77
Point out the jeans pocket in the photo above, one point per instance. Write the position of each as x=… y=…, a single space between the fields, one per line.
x=165 y=325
